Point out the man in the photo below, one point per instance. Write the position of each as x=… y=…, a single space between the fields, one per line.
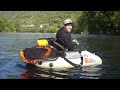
x=64 y=38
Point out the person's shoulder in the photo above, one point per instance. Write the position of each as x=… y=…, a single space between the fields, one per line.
x=61 y=30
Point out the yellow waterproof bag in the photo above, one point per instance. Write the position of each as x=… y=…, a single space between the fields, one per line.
x=42 y=42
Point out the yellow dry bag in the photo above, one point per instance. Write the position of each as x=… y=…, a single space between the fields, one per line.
x=42 y=42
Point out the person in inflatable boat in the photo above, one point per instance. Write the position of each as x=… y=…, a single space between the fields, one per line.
x=63 y=36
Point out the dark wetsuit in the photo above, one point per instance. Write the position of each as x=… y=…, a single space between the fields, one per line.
x=64 y=39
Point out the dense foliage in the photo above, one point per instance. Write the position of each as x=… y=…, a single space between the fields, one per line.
x=87 y=22
x=34 y=21
x=100 y=22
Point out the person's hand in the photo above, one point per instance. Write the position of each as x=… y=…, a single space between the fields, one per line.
x=75 y=41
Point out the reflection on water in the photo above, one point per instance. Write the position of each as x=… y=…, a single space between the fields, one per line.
x=87 y=72
x=39 y=73
x=12 y=67
x=91 y=72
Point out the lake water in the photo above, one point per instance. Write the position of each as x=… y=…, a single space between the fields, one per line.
x=12 y=67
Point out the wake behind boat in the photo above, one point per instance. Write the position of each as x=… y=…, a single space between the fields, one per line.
x=45 y=56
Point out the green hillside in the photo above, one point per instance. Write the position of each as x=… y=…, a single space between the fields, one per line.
x=34 y=21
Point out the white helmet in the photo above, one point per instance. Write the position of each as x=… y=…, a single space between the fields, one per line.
x=67 y=21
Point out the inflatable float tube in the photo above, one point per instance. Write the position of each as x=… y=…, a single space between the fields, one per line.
x=70 y=60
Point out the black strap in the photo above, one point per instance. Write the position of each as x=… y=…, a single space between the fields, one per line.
x=59 y=45
x=62 y=54
x=73 y=64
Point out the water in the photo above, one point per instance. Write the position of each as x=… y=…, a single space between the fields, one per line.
x=12 y=67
